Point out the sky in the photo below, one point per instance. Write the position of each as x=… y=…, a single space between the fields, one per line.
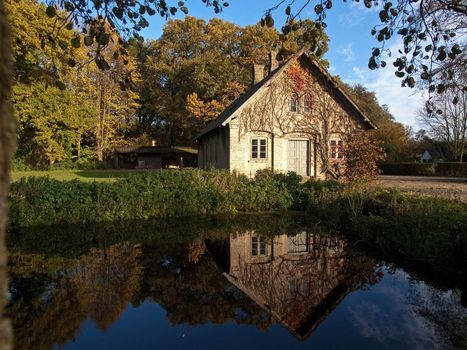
x=348 y=27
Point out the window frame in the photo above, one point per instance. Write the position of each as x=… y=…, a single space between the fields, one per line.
x=294 y=103
x=259 y=247
x=261 y=145
x=309 y=108
x=337 y=153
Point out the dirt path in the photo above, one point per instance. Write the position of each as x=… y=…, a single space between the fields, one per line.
x=447 y=187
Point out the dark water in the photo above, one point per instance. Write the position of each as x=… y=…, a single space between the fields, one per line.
x=246 y=283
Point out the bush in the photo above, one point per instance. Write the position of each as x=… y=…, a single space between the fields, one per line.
x=80 y=164
x=452 y=169
x=361 y=157
x=43 y=201
x=19 y=164
x=414 y=169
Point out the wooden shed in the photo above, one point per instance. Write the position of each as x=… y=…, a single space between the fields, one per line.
x=156 y=157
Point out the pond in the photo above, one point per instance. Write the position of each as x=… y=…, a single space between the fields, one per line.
x=275 y=282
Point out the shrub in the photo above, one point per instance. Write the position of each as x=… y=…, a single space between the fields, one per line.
x=454 y=169
x=361 y=156
x=414 y=169
x=43 y=201
x=19 y=164
x=425 y=169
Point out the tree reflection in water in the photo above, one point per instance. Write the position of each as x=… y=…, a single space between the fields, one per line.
x=243 y=275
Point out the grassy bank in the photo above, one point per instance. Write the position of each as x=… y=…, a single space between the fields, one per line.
x=431 y=230
x=44 y=201
x=107 y=175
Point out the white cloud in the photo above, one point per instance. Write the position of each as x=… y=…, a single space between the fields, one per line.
x=347 y=52
x=402 y=102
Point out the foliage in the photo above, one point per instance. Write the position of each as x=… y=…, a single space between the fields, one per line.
x=361 y=155
x=445 y=119
x=50 y=122
x=394 y=137
x=424 y=169
x=451 y=169
x=145 y=195
x=203 y=111
x=35 y=57
x=415 y=169
x=201 y=67
x=86 y=108
x=431 y=32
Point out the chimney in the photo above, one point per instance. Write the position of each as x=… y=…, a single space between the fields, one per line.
x=273 y=64
x=258 y=73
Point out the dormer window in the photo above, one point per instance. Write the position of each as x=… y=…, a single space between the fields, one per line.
x=294 y=103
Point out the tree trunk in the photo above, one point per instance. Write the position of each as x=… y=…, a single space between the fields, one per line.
x=100 y=125
x=7 y=145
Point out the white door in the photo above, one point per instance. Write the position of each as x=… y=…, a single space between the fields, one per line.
x=298 y=157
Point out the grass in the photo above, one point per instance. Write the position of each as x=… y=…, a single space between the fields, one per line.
x=107 y=175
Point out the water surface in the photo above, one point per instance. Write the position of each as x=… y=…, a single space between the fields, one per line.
x=268 y=282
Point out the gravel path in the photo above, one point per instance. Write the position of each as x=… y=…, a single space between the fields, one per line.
x=447 y=187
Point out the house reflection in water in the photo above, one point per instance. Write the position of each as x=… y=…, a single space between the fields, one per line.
x=297 y=279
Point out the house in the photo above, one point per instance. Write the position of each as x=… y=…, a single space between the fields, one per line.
x=155 y=157
x=297 y=279
x=431 y=156
x=296 y=118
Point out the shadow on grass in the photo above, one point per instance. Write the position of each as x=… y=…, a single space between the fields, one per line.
x=109 y=174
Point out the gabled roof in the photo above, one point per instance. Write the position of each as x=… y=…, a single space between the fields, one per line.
x=226 y=116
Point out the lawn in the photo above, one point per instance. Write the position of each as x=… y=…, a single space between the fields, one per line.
x=107 y=175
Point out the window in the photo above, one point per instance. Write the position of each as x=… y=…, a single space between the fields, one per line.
x=337 y=149
x=298 y=244
x=307 y=104
x=293 y=288
x=259 y=149
x=294 y=103
x=258 y=246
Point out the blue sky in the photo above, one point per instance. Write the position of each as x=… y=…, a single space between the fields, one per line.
x=349 y=26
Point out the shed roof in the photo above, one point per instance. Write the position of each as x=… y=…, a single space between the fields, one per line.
x=155 y=149
x=226 y=116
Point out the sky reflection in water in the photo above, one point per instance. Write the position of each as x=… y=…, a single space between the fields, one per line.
x=241 y=289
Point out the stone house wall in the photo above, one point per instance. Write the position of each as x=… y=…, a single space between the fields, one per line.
x=267 y=115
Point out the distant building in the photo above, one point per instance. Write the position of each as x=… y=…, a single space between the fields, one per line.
x=431 y=156
x=273 y=125
x=155 y=157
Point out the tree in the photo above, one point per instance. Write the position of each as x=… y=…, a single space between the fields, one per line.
x=115 y=105
x=51 y=122
x=7 y=145
x=35 y=56
x=431 y=32
x=201 y=67
x=446 y=120
x=122 y=15
x=394 y=137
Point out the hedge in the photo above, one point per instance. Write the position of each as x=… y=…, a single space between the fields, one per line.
x=453 y=169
